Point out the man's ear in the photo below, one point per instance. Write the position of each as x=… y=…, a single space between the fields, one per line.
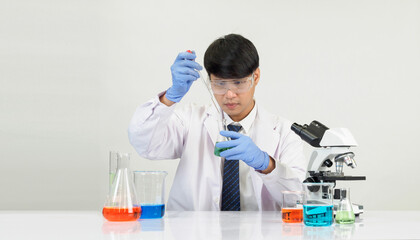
x=256 y=76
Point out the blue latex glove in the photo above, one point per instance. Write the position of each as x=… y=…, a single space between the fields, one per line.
x=183 y=75
x=243 y=148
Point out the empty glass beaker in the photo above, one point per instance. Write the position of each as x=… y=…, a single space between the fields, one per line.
x=318 y=204
x=121 y=203
x=292 y=208
x=344 y=214
x=150 y=188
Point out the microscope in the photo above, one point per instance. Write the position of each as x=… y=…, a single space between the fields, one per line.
x=332 y=146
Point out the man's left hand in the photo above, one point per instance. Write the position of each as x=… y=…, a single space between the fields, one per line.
x=243 y=148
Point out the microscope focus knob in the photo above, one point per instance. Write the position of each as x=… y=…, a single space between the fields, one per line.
x=328 y=163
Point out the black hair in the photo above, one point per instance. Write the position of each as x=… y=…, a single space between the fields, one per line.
x=231 y=56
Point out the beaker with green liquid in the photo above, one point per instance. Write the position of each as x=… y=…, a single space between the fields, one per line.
x=217 y=150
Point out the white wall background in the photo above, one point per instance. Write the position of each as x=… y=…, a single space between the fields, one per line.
x=73 y=72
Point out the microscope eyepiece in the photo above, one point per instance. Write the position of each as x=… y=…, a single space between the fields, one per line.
x=297 y=128
x=311 y=134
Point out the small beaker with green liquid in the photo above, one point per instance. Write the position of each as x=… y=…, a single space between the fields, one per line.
x=344 y=214
x=217 y=150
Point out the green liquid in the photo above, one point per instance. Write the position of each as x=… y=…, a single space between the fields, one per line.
x=217 y=150
x=344 y=217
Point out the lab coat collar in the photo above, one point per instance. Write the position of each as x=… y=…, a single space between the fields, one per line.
x=247 y=122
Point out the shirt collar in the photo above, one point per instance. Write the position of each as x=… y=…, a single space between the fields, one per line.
x=246 y=123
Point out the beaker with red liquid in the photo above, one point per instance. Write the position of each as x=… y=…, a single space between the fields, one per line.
x=121 y=203
x=291 y=215
x=292 y=208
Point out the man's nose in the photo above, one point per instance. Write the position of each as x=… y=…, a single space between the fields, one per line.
x=230 y=94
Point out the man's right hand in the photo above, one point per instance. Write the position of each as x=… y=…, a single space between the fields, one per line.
x=183 y=75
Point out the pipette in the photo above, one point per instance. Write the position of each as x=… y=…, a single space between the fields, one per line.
x=224 y=125
x=208 y=88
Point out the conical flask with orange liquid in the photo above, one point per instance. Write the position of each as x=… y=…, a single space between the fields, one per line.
x=121 y=203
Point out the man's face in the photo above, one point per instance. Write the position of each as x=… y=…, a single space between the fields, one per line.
x=237 y=105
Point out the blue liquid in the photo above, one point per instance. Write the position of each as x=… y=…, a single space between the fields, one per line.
x=152 y=211
x=318 y=215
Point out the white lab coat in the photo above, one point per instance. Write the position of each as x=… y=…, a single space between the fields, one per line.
x=160 y=132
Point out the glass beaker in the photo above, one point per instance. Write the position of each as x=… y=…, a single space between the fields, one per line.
x=217 y=150
x=344 y=214
x=150 y=188
x=318 y=204
x=292 y=209
x=222 y=126
x=121 y=203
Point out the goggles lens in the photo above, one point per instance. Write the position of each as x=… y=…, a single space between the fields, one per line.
x=240 y=85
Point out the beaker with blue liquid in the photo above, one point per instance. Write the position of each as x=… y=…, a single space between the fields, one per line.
x=318 y=204
x=150 y=189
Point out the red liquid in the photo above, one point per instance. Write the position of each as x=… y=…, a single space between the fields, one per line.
x=121 y=214
x=292 y=215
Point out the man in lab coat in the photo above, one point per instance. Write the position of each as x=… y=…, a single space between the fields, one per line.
x=264 y=157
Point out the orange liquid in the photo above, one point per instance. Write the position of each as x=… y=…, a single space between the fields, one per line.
x=121 y=214
x=292 y=215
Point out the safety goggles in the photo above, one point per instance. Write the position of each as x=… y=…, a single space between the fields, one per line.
x=240 y=85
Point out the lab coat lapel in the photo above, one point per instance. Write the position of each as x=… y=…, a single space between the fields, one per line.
x=211 y=124
x=265 y=135
x=266 y=138
x=211 y=121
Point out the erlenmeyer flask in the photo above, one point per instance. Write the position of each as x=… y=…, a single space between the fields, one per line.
x=121 y=203
x=345 y=214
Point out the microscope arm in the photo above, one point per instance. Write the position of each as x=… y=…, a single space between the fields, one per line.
x=320 y=155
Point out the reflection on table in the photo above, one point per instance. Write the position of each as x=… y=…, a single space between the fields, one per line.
x=37 y=225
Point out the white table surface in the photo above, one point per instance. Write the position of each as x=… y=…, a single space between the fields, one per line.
x=73 y=225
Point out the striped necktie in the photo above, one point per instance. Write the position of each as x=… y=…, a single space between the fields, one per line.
x=231 y=200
